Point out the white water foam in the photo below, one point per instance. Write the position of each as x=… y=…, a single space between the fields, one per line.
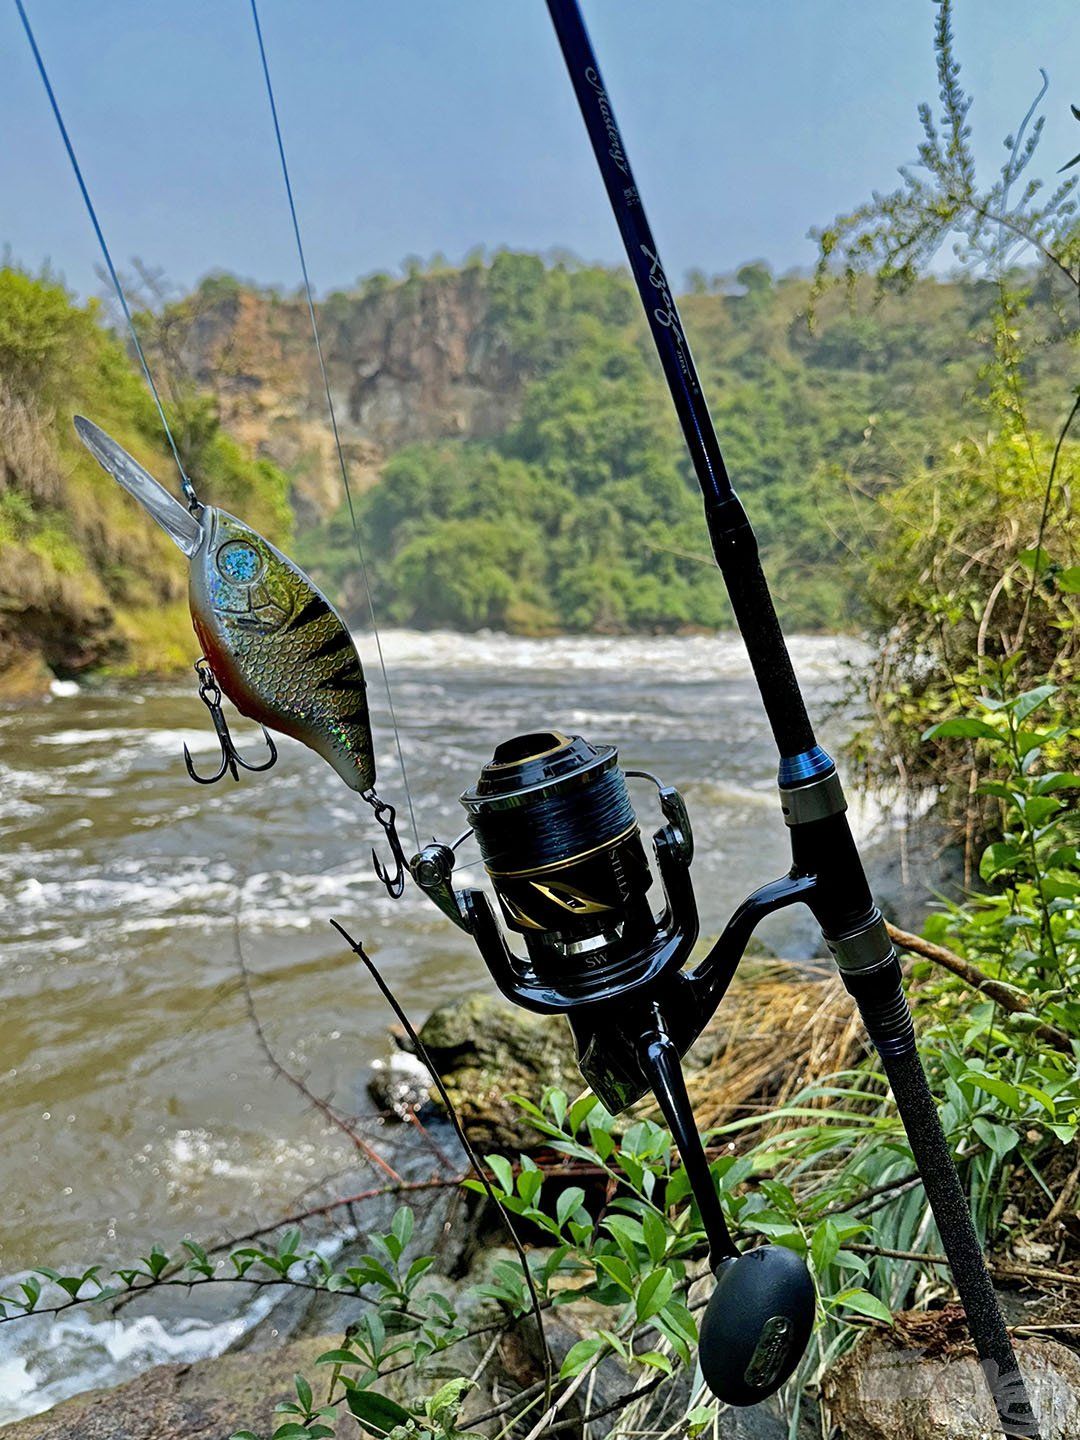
x=44 y=1360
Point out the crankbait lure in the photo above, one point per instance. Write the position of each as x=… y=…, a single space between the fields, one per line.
x=271 y=640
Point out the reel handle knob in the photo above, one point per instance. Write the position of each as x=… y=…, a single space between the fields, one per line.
x=757 y=1324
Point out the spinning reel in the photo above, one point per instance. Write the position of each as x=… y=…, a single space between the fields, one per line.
x=563 y=849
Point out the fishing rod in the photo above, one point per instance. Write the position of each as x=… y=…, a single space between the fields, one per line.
x=562 y=847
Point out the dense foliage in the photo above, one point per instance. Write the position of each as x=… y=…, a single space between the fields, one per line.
x=976 y=559
x=583 y=514
x=83 y=578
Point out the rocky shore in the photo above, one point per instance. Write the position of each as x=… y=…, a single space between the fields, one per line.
x=778 y=1030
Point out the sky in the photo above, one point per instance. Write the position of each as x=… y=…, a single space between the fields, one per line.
x=428 y=126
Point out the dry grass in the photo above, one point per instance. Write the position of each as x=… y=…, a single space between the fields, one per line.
x=27 y=460
x=779 y=1029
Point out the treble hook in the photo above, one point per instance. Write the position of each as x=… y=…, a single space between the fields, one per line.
x=210 y=695
x=386 y=816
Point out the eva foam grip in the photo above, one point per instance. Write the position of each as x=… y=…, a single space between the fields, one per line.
x=888 y=1020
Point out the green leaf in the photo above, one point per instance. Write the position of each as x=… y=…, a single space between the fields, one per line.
x=1026 y=704
x=616 y=1267
x=556 y=1101
x=1036 y=560
x=1038 y=808
x=529 y=1184
x=1001 y=1090
x=579 y=1356
x=1068 y=580
x=447 y=1400
x=339 y=1357
x=999 y=857
x=303 y=1392
x=156 y=1261
x=999 y=1139
x=656 y=1290
x=966 y=727
x=699 y=1419
x=656 y=1360
x=503 y=1171
x=863 y=1303
x=420 y=1266
x=580 y=1111
x=568 y=1204
x=1056 y=780
x=628 y=1234
x=289 y=1243
x=656 y=1235
x=825 y=1245
x=377 y=1413
x=402 y=1224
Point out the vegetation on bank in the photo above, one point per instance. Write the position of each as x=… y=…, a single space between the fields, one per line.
x=579 y=511
x=582 y=514
x=85 y=580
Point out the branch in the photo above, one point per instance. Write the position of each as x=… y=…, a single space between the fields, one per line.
x=621 y=1404
x=190 y=1284
x=1001 y=993
x=421 y=1050
x=323 y=1106
x=1004 y=1268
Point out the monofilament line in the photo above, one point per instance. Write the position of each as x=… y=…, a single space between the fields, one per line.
x=333 y=414
x=185 y=483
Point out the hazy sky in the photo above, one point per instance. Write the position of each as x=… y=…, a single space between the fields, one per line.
x=432 y=125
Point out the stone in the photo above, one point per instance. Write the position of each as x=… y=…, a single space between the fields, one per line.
x=208 y=1400
x=883 y=1391
x=486 y=1050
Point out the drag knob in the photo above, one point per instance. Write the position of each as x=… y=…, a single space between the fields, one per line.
x=757 y=1324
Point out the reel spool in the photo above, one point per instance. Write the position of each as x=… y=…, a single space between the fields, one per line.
x=561 y=845
x=563 y=850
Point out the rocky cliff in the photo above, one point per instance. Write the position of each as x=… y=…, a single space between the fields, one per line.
x=407 y=361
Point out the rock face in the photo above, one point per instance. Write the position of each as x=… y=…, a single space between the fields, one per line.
x=880 y=1391
x=425 y=358
x=408 y=361
x=485 y=1050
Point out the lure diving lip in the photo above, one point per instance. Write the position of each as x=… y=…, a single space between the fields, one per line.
x=279 y=649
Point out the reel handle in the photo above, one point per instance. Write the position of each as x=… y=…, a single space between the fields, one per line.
x=761 y=1313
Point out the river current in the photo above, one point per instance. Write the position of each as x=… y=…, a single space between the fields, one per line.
x=136 y=1103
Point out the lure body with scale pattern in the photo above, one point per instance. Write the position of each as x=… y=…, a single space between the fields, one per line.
x=278 y=648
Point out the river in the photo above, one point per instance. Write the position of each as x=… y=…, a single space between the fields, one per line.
x=137 y=1105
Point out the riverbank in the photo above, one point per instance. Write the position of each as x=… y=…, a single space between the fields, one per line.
x=138 y=1096
x=780 y=1029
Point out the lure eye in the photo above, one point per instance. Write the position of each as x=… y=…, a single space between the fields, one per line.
x=239 y=562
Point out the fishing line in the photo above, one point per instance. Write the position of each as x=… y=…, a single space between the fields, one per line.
x=333 y=414
x=185 y=483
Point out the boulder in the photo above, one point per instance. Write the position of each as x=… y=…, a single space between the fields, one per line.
x=209 y=1400
x=485 y=1050
x=881 y=1390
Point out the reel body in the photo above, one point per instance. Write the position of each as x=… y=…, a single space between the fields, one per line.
x=564 y=852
